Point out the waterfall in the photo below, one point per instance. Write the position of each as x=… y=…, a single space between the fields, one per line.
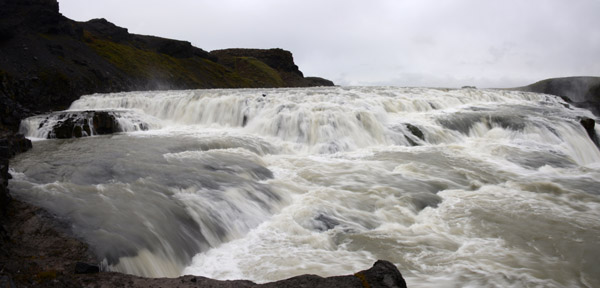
x=454 y=184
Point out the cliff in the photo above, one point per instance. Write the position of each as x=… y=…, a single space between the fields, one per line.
x=47 y=61
x=583 y=92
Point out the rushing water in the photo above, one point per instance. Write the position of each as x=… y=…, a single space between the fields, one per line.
x=456 y=187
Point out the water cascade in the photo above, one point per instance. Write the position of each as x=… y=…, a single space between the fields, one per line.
x=456 y=187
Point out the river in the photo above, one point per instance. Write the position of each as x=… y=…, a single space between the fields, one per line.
x=457 y=188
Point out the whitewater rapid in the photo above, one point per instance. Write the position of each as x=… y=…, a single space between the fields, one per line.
x=457 y=188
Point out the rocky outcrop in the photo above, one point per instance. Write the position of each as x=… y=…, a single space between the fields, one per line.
x=47 y=61
x=583 y=92
x=76 y=124
x=37 y=251
x=317 y=81
x=10 y=145
x=281 y=61
x=589 y=126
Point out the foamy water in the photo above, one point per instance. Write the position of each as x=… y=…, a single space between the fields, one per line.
x=458 y=188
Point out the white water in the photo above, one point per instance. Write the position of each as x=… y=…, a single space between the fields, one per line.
x=501 y=191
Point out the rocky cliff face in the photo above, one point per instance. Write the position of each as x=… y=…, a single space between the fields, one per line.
x=47 y=61
x=9 y=146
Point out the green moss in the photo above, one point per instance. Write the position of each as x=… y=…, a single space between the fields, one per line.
x=145 y=65
x=132 y=61
x=258 y=72
x=195 y=72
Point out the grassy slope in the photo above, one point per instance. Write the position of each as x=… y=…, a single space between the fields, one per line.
x=145 y=65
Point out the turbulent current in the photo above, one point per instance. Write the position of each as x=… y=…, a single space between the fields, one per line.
x=457 y=188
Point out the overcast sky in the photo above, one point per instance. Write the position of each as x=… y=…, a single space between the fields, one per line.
x=441 y=43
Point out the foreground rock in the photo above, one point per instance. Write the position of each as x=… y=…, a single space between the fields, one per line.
x=10 y=145
x=583 y=92
x=37 y=251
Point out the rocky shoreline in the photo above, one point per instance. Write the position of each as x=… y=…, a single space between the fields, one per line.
x=47 y=61
x=37 y=250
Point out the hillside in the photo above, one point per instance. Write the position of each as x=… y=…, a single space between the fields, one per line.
x=47 y=61
x=583 y=92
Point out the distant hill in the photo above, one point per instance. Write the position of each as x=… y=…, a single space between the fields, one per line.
x=47 y=61
x=583 y=92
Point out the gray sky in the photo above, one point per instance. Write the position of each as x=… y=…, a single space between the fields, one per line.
x=442 y=43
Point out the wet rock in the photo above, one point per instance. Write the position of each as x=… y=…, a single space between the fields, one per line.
x=77 y=124
x=10 y=145
x=589 y=124
x=84 y=268
x=105 y=123
x=416 y=132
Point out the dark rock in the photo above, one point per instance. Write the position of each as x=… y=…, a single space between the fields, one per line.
x=415 y=131
x=106 y=29
x=77 y=124
x=582 y=92
x=7 y=282
x=317 y=81
x=64 y=129
x=105 y=123
x=382 y=274
x=589 y=124
x=84 y=268
x=48 y=61
x=10 y=145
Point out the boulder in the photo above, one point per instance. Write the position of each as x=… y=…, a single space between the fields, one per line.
x=105 y=123
x=81 y=124
x=416 y=132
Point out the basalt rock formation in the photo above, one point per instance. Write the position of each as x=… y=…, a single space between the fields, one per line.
x=47 y=61
x=583 y=92
x=76 y=124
